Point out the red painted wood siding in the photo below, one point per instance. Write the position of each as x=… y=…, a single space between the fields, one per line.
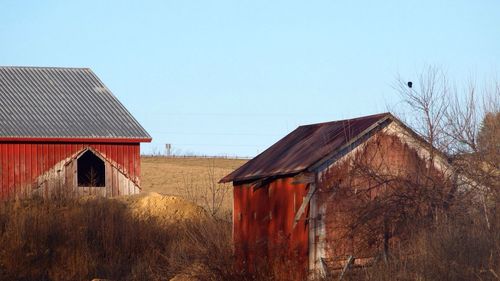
x=263 y=221
x=22 y=162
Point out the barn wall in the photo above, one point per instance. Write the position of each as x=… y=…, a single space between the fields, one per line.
x=263 y=220
x=388 y=154
x=24 y=166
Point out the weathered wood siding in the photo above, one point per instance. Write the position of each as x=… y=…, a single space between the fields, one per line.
x=392 y=154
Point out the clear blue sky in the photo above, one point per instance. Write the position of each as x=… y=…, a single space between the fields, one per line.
x=232 y=77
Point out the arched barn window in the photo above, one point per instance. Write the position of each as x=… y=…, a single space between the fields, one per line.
x=91 y=170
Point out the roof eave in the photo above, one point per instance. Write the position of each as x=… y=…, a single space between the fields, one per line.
x=75 y=139
x=229 y=178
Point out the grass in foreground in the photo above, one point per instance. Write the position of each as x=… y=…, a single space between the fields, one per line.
x=117 y=239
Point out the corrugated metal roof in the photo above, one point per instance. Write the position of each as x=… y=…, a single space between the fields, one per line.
x=50 y=102
x=304 y=147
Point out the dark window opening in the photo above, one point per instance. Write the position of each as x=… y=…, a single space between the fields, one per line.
x=91 y=171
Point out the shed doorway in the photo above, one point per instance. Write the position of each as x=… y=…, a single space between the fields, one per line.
x=91 y=170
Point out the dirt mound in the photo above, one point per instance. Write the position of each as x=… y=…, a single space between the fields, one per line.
x=165 y=209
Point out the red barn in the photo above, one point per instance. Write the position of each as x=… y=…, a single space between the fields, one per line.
x=62 y=130
x=286 y=198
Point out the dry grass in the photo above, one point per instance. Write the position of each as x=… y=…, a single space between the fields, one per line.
x=135 y=238
x=459 y=247
x=79 y=240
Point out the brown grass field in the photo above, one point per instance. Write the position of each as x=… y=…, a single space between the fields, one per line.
x=188 y=177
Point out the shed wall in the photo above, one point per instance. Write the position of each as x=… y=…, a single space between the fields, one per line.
x=385 y=156
x=262 y=223
x=22 y=164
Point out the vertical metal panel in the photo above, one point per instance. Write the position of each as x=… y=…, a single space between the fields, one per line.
x=125 y=157
x=4 y=180
x=16 y=155
x=119 y=157
x=131 y=160
x=11 y=165
x=25 y=167
x=50 y=156
x=45 y=156
x=21 y=169
x=131 y=166
x=137 y=163
x=263 y=220
x=28 y=161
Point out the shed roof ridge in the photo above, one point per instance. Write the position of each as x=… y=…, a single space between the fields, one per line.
x=348 y=119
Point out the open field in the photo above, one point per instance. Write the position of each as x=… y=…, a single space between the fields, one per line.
x=188 y=177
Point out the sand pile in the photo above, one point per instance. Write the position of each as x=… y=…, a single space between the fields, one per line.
x=163 y=208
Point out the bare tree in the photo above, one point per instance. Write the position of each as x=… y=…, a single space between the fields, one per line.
x=209 y=193
x=214 y=193
x=380 y=204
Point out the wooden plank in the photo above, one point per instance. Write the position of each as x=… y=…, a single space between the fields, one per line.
x=348 y=264
x=108 y=179
x=69 y=176
x=116 y=182
x=303 y=206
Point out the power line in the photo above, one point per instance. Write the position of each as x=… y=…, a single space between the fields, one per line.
x=234 y=114
x=219 y=145
x=216 y=134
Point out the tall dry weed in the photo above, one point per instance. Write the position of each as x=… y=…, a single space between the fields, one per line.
x=82 y=239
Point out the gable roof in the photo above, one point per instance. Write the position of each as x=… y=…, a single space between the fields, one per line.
x=62 y=103
x=305 y=147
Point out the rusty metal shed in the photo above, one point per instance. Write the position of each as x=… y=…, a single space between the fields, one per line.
x=280 y=200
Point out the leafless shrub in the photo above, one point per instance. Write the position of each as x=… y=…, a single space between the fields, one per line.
x=189 y=189
x=210 y=194
x=214 y=193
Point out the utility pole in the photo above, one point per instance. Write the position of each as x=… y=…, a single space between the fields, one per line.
x=168 y=149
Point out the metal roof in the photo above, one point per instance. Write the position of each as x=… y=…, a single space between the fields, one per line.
x=50 y=102
x=304 y=147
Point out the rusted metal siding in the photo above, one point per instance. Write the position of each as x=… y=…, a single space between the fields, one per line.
x=22 y=164
x=263 y=222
